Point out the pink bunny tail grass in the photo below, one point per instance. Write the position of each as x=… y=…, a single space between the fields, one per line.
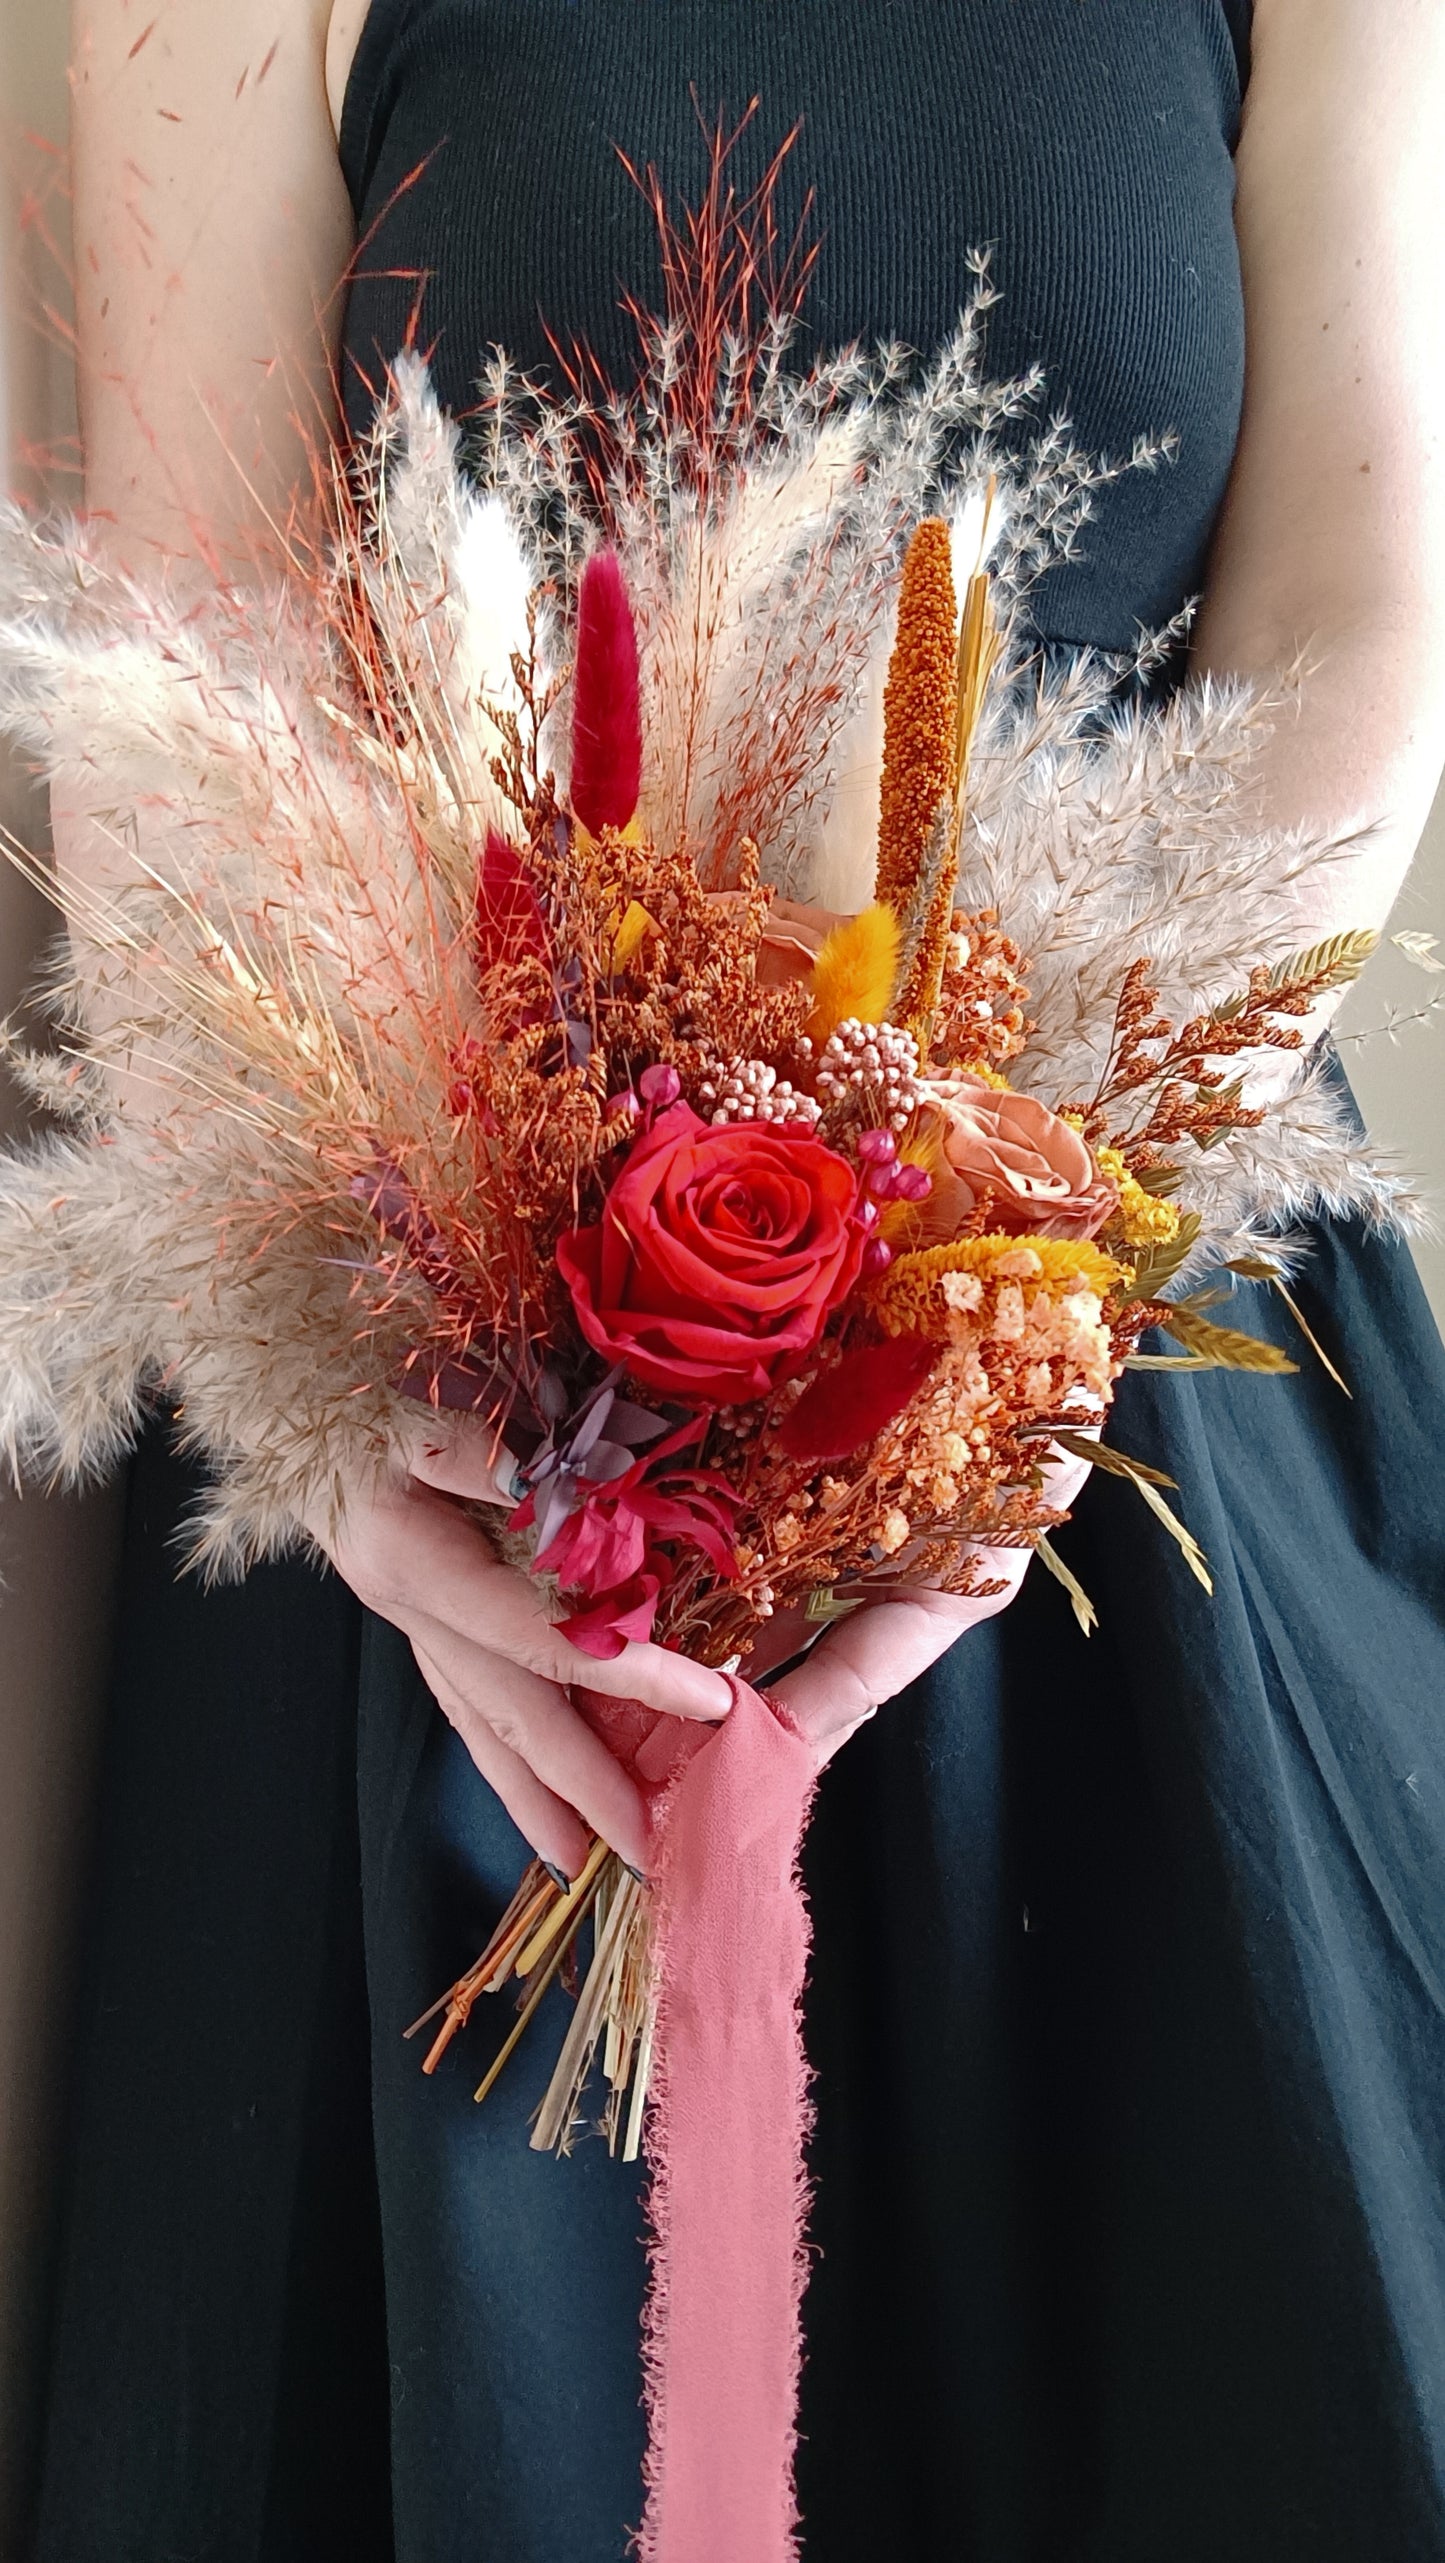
x=727 y=2124
x=606 y=700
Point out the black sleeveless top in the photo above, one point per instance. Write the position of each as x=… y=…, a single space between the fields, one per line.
x=1087 y=143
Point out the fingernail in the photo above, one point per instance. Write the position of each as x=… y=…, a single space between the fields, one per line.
x=558 y=1876
x=711 y=1694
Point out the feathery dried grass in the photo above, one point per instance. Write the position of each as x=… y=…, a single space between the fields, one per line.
x=311 y=772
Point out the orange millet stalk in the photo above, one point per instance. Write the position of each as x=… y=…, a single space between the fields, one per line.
x=919 y=713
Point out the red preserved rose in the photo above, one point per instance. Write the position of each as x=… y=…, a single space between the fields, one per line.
x=721 y=1252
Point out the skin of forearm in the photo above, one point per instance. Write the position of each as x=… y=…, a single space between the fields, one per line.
x=1355 y=753
x=1329 y=561
x=212 y=232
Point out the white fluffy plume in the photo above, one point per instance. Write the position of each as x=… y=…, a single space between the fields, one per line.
x=450 y=583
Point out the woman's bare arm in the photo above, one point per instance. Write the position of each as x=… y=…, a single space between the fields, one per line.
x=348 y=17
x=1332 y=541
x=212 y=234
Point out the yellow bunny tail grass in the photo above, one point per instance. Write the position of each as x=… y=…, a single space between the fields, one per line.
x=855 y=972
x=920 y=713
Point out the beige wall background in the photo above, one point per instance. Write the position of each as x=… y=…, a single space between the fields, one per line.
x=1392 y=1038
x=56 y=1558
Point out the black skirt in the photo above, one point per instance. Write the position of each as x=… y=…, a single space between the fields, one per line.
x=1126 y=2014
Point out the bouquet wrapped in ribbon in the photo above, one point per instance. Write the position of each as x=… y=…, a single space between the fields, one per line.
x=626 y=946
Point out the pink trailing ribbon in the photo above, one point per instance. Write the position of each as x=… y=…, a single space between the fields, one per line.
x=727 y=2123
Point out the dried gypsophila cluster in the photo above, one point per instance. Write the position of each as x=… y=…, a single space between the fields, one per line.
x=1026 y=1330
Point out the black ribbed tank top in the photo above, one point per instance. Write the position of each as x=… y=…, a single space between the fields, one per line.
x=1086 y=143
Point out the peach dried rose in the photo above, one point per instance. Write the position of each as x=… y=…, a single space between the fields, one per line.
x=1038 y=1174
x=792 y=938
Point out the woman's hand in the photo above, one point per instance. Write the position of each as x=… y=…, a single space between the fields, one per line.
x=493 y=1660
x=877 y=1651
x=501 y=1671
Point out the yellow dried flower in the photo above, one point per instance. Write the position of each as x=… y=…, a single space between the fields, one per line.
x=1144 y=1218
x=894 y=1531
x=630 y=933
x=854 y=973
x=910 y=1297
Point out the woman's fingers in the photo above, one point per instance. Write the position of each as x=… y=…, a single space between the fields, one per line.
x=555 y=1831
x=878 y=1650
x=461 y=1455
x=412 y=1552
x=1065 y=1476
x=505 y=1611
x=533 y=1720
x=501 y=1669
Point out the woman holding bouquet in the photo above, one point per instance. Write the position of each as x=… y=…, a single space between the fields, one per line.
x=1126 y=1997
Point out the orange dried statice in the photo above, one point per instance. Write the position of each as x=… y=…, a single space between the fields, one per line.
x=1193 y=1096
x=689 y=992
x=1183 y=1092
